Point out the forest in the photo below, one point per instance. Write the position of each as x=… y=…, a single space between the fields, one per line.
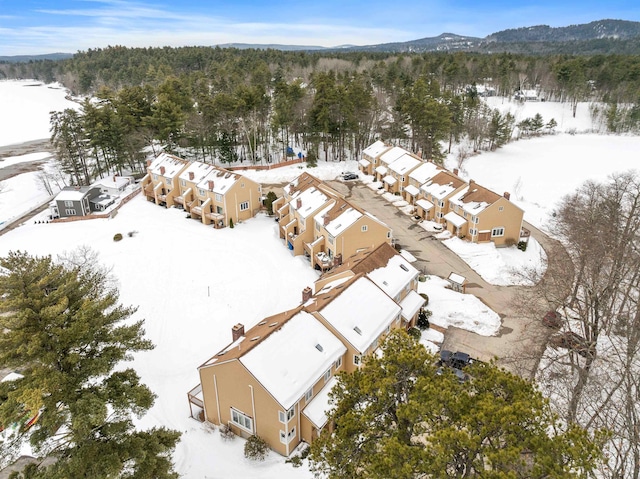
x=251 y=105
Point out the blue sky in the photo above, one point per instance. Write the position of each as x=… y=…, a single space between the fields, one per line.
x=46 y=26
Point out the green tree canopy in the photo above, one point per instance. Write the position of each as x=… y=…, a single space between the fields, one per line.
x=65 y=331
x=400 y=416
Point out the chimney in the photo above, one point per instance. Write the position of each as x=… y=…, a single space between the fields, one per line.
x=337 y=260
x=162 y=170
x=191 y=175
x=326 y=220
x=237 y=332
x=306 y=294
x=456 y=171
x=471 y=182
x=291 y=189
x=114 y=178
x=298 y=203
x=210 y=185
x=507 y=195
x=148 y=163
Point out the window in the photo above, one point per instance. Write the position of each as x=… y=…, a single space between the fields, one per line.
x=242 y=420
x=439 y=214
x=473 y=231
x=475 y=220
x=466 y=214
x=441 y=204
x=155 y=177
x=244 y=206
x=374 y=345
x=241 y=185
x=168 y=181
x=364 y=228
x=308 y=395
x=388 y=234
x=68 y=204
x=331 y=239
x=497 y=232
x=327 y=375
x=285 y=438
x=288 y=416
x=183 y=182
x=402 y=179
x=387 y=329
x=357 y=359
x=218 y=197
x=501 y=208
x=70 y=212
x=201 y=192
x=338 y=363
x=317 y=226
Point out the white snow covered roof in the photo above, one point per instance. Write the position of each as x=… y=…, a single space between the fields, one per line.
x=199 y=170
x=311 y=199
x=437 y=190
x=71 y=193
x=456 y=278
x=404 y=164
x=289 y=361
x=172 y=165
x=474 y=198
x=424 y=204
x=392 y=155
x=395 y=276
x=381 y=170
x=457 y=220
x=364 y=163
x=411 y=304
x=424 y=172
x=361 y=313
x=113 y=182
x=375 y=149
x=342 y=222
x=316 y=409
x=390 y=180
x=12 y=376
x=412 y=190
x=222 y=181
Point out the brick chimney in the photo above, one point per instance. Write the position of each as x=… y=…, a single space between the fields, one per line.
x=210 y=185
x=456 y=171
x=507 y=195
x=291 y=189
x=306 y=294
x=471 y=182
x=114 y=178
x=337 y=260
x=148 y=163
x=237 y=332
x=325 y=220
x=191 y=175
x=162 y=170
x=298 y=203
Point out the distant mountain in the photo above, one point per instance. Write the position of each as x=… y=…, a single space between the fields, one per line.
x=274 y=46
x=443 y=42
x=601 y=29
x=28 y=58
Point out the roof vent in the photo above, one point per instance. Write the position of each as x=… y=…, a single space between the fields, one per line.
x=262 y=323
x=358 y=330
x=255 y=338
x=319 y=347
x=404 y=267
x=273 y=324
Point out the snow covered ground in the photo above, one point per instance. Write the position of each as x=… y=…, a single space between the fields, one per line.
x=217 y=278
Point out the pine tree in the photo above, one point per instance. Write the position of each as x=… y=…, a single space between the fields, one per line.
x=400 y=416
x=65 y=331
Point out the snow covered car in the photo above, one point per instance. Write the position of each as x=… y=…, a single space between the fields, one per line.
x=552 y=320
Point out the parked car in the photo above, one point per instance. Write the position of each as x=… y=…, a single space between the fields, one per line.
x=552 y=320
x=455 y=362
x=437 y=227
x=572 y=341
x=346 y=176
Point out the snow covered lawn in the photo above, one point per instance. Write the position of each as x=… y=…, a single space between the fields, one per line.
x=463 y=311
x=500 y=266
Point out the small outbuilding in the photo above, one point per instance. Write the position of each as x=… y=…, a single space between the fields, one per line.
x=458 y=283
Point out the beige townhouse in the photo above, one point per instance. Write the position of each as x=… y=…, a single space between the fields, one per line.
x=188 y=181
x=398 y=173
x=437 y=191
x=481 y=215
x=418 y=177
x=160 y=184
x=385 y=159
x=371 y=156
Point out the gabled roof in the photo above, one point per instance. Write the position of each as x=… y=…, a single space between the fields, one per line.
x=301 y=183
x=375 y=149
x=113 y=182
x=172 y=165
x=290 y=360
x=393 y=154
x=340 y=214
x=424 y=172
x=365 y=261
x=442 y=184
x=222 y=180
x=360 y=313
x=393 y=277
x=310 y=200
x=475 y=198
x=199 y=170
x=404 y=164
x=73 y=193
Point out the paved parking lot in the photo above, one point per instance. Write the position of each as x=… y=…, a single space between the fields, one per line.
x=520 y=341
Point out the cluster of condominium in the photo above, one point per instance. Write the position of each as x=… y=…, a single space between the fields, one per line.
x=465 y=208
x=213 y=195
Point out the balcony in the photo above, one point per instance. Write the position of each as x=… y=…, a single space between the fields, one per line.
x=196 y=403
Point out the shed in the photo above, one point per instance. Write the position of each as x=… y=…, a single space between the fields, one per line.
x=458 y=283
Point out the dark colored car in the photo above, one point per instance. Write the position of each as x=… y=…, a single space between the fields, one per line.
x=552 y=320
x=350 y=176
x=457 y=360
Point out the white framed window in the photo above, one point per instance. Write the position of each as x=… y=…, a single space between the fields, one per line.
x=441 y=204
x=169 y=180
x=374 y=345
x=241 y=185
x=387 y=329
x=286 y=437
x=201 y=192
x=218 y=197
x=331 y=239
x=242 y=420
x=497 y=231
x=402 y=179
x=475 y=220
x=500 y=208
x=327 y=375
x=155 y=177
x=68 y=204
x=183 y=182
x=473 y=231
x=317 y=226
x=364 y=228
x=308 y=395
x=70 y=211
x=244 y=206
x=338 y=363
x=388 y=234
x=440 y=214
x=357 y=359
x=284 y=417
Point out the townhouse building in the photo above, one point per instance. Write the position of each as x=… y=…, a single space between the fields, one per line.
x=398 y=173
x=436 y=193
x=160 y=184
x=371 y=156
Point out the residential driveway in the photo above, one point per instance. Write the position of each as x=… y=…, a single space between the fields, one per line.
x=520 y=341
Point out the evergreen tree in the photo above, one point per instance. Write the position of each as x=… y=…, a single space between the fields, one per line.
x=400 y=416
x=65 y=331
